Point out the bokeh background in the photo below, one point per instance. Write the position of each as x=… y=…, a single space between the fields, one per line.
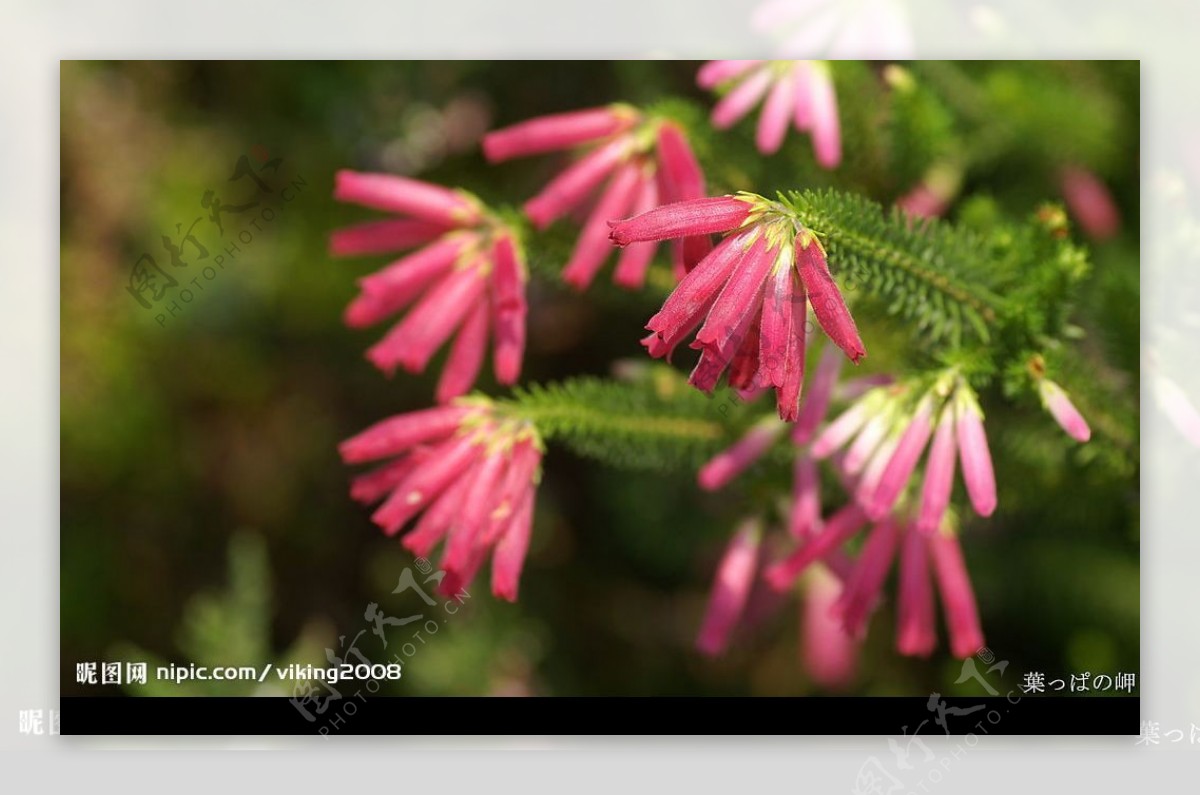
x=205 y=514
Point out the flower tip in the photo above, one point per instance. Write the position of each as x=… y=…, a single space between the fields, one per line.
x=777 y=578
x=506 y=592
x=576 y=280
x=493 y=151
x=710 y=645
x=711 y=478
x=538 y=214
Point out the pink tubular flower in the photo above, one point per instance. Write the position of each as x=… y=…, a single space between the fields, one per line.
x=830 y=655
x=866 y=579
x=901 y=464
x=1090 y=202
x=420 y=200
x=729 y=463
x=1063 y=410
x=922 y=202
x=641 y=162
x=747 y=298
x=735 y=577
x=933 y=194
x=820 y=393
x=939 y=475
x=886 y=439
x=958 y=599
x=838 y=529
x=466 y=281
x=469 y=474
x=804 y=520
x=916 y=633
x=976 y=458
x=798 y=93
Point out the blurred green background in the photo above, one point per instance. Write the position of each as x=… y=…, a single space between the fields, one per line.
x=205 y=514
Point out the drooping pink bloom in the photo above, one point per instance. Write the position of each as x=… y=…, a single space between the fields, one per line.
x=839 y=528
x=829 y=653
x=871 y=475
x=923 y=202
x=916 y=633
x=465 y=475
x=735 y=577
x=557 y=132
x=1089 y=201
x=1063 y=410
x=746 y=300
x=865 y=584
x=975 y=456
x=804 y=517
x=902 y=462
x=932 y=195
x=836 y=434
x=939 y=475
x=465 y=282
x=402 y=196
x=635 y=162
x=886 y=439
x=867 y=442
x=820 y=393
x=958 y=598
x=731 y=462
x=797 y=93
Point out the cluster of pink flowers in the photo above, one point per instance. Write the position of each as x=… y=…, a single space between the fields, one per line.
x=876 y=445
x=465 y=473
x=469 y=473
x=798 y=93
x=748 y=296
x=647 y=162
x=467 y=277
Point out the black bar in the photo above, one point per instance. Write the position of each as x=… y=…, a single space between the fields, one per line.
x=368 y=715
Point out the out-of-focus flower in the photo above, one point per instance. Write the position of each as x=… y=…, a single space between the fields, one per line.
x=798 y=94
x=916 y=630
x=1089 y=202
x=890 y=434
x=958 y=597
x=646 y=161
x=932 y=195
x=467 y=277
x=830 y=653
x=873 y=29
x=748 y=297
x=863 y=584
x=731 y=588
x=469 y=473
x=1063 y=410
x=738 y=602
x=731 y=462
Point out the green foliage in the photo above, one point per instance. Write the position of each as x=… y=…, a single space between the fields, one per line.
x=229 y=628
x=921 y=130
x=637 y=426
